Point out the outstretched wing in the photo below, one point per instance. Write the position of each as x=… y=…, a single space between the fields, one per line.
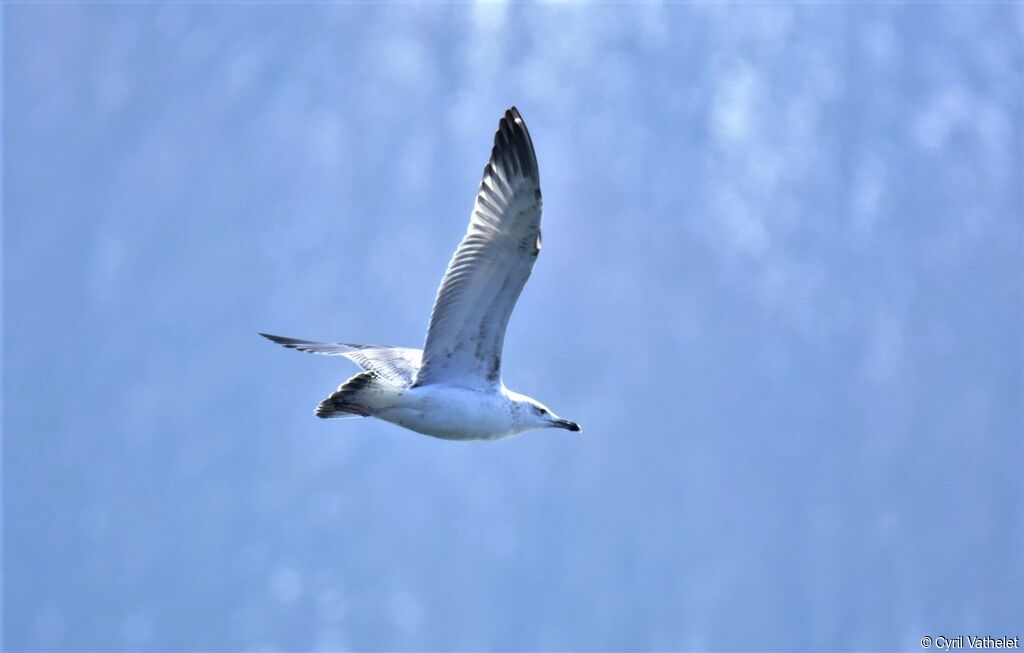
x=397 y=365
x=490 y=267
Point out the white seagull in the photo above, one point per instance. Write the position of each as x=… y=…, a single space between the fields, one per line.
x=452 y=389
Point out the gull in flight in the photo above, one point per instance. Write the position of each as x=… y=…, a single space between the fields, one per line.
x=452 y=388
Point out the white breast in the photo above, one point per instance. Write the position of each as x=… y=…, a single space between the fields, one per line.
x=453 y=413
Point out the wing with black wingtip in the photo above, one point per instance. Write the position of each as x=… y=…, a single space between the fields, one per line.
x=396 y=365
x=490 y=267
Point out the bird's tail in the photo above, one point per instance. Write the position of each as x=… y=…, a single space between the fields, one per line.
x=360 y=396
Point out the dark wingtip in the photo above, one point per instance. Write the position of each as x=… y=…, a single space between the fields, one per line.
x=290 y=343
x=514 y=137
x=513 y=116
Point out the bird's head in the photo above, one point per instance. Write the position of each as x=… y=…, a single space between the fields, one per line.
x=530 y=414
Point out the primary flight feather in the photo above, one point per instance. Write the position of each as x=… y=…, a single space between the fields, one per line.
x=452 y=389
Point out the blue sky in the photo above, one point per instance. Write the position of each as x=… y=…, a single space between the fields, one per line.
x=781 y=289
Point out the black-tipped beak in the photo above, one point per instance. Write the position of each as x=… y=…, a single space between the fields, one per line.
x=567 y=425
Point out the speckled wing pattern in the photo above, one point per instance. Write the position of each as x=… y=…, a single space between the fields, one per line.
x=396 y=365
x=489 y=268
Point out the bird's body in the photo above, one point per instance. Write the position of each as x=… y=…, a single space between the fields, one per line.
x=452 y=389
x=452 y=413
